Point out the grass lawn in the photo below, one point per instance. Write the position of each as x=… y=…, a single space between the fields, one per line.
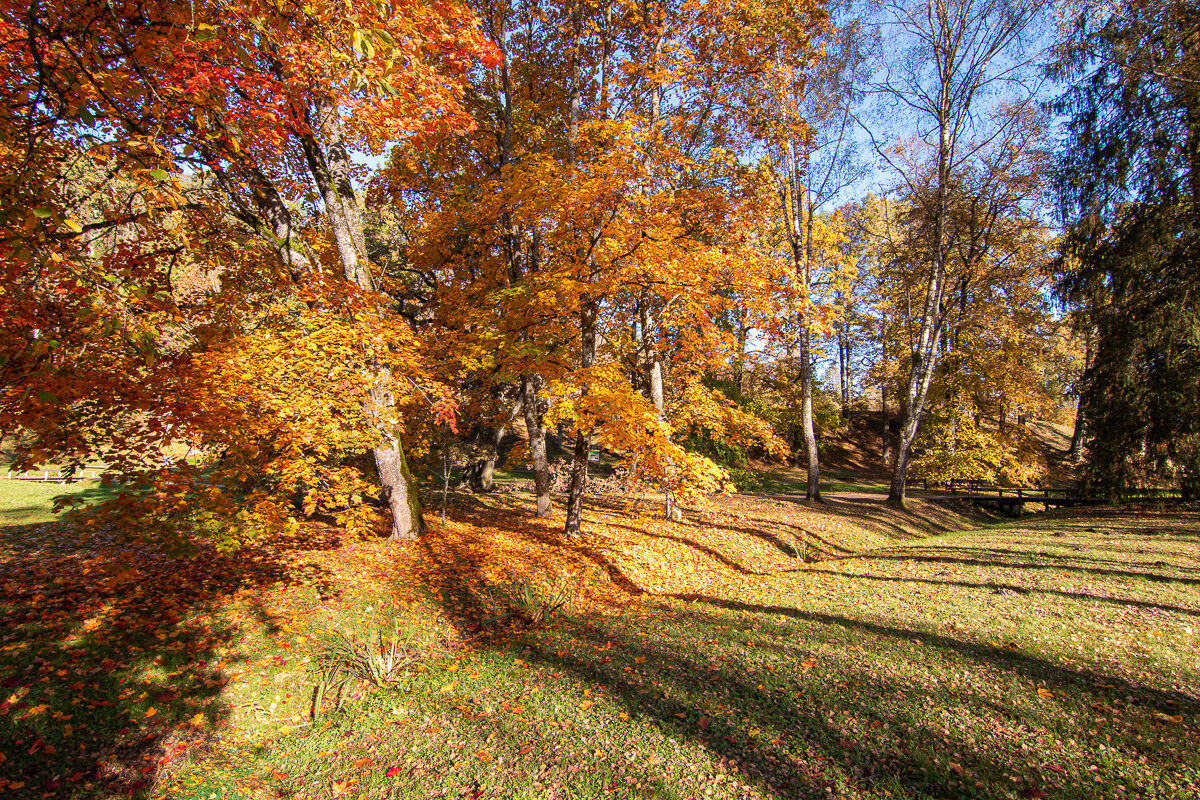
x=23 y=502
x=924 y=656
x=794 y=481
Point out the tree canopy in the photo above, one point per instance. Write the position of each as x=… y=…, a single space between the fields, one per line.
x=283 y=260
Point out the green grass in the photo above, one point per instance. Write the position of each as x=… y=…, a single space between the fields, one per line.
x=1053 y=658
x=30 y=502
x=793 y=480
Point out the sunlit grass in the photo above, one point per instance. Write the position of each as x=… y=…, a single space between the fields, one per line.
x=1045 y=657
x=31 y=502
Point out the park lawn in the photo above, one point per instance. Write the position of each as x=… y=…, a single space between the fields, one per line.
x=28 y=502
x=1046 y=657
x=783 y=480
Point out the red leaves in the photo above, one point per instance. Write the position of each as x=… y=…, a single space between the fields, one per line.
x=445 y=412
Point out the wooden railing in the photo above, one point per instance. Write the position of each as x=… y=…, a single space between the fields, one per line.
x=54 y=476
x=981 y=491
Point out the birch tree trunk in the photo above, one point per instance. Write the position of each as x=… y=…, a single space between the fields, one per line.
x=965 y=43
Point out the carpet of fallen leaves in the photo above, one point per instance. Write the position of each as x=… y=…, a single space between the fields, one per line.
x=117 y=660
x=627 y=550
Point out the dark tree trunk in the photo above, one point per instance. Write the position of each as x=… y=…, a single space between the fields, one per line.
x=537 y=444
x=579 y=469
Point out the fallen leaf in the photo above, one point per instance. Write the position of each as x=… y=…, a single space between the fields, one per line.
x=340 y=788
x=393 y=772
x=1044 y=692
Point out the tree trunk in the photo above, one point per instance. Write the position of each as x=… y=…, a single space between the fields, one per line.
x=583 y=441
x=653 y=367
x=899 y=484
x=1077 y=434
x=329 y=165
x=813 y=490
x=739 y=360
x=654 y=381
x=537 y=445
x=920 y=378
x=924 y=357
x=883 y=405
x=487 y=468
x=399 y=485
x=588 y=306
x=844 y=355
x=887 y=430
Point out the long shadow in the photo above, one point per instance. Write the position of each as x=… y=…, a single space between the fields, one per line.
x=1026 y=665
x=116 y=656
x=460 y=573
x=874 y=514
x=825 y=545
x=783 y=731
x=997 y=586
x=1010 y=548
x=785 y=547
x=712 y=553
x=977 y=562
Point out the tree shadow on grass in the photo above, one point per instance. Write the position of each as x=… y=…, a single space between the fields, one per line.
x=883 y=706
x=459 y=565
x=998 y=587
x=968 y=561
x=114 y=656
x=850 y=725
x=1013 y=660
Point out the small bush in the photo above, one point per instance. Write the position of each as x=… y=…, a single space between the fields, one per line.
x=538 y=605
x=745 y=480
x=343 y=660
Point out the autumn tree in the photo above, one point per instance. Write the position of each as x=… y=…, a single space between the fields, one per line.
x=958 y=54
x=999 y=353
x=234 y=128
x=810 y=109
x=582 y=235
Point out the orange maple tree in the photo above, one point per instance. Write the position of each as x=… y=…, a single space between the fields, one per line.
x=584 y=239
x=183 y=247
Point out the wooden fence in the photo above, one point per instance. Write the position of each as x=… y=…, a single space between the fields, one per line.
x=1012 y=499
x=54 y=476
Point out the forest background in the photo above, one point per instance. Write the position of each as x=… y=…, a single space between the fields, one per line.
x=274 y=260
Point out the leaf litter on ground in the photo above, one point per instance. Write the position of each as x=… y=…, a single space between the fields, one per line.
x=698 y=659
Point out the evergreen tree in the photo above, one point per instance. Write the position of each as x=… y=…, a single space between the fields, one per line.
x=1129 y=181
